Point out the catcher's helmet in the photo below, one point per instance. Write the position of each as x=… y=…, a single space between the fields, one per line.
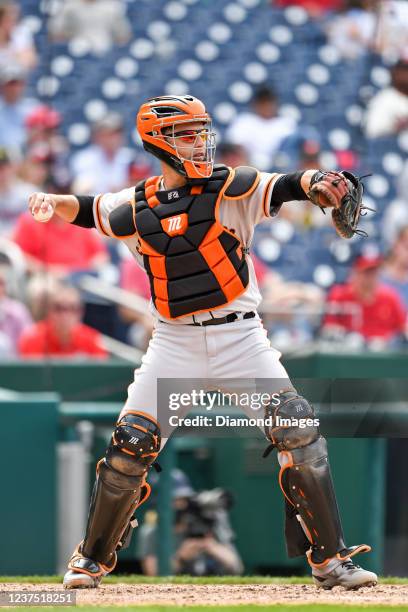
x=156 y=122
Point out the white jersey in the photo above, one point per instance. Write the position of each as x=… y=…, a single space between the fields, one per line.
x=239 y=215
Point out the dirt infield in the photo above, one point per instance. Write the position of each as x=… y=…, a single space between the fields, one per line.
x=207 y=594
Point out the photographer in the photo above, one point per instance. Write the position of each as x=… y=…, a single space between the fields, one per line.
x=202 y=533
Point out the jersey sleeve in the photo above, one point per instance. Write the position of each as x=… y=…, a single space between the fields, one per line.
x=258 y=204
x=112 y=210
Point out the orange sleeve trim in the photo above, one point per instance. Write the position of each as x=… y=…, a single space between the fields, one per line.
x=267 y=194
x=98 y=215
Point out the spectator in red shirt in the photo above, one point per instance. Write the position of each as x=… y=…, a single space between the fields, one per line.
x=316 y=8
x=58 y=247
x=365 y=306
x=61 y=333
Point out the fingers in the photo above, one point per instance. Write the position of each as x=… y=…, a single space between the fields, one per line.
x=41 y=204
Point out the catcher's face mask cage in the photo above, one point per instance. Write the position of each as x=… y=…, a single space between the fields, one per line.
x=178 y=131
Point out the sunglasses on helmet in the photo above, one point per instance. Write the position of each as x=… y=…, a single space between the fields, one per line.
x=189 y=136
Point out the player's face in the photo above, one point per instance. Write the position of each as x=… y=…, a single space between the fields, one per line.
x=65 y=311
x=367 y=280
x=193 y=141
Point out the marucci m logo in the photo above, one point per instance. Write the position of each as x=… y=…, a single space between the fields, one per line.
x=134 y=440
x=175 y=226
x=174 y=223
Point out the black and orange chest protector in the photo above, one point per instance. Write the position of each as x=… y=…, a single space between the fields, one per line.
x=193 y=262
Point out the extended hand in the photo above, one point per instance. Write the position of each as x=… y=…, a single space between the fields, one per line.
x=42 y=206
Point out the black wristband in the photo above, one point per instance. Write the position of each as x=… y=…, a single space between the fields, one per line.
x=85 y=216
x=288 y=187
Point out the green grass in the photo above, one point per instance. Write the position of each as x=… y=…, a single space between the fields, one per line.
x=137 y=579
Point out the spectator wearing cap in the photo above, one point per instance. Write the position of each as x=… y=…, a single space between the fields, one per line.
x=387 y=111
x=16 y=40
x=44 y=141
x=59 y=248
x=14 y=194
x=61 y=333
x=14 y=318
x=395 y=270
x=365 y=305
x=101 y=23
x=14 y=107
x=140 y=168
x=261 y=130
x=104 y=165
x=34 y=168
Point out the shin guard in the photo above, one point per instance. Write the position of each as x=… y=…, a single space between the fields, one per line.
x=120 y=487
x=311 y=506
x=312 y=516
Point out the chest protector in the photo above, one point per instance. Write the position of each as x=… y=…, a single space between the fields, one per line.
x=193 y=262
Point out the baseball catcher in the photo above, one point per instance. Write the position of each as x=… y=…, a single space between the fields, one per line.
x=190 y=229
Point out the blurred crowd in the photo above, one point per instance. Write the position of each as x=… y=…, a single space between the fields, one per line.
x=44 y=308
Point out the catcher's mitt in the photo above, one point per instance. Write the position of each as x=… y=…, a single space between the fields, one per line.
x=343 y=192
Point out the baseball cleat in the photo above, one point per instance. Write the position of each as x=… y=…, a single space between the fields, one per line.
x=78 y=580
x=343 y=573
x=84 y=573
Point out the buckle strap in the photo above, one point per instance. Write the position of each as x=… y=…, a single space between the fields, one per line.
x=230 y=318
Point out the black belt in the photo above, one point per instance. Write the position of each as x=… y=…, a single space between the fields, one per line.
x=221 y=320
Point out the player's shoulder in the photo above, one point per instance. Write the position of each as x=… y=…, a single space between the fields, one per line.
x=387 y=293
x=243 y=181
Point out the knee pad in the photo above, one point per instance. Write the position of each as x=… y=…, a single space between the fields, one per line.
x=135 y=444
x=294 y=424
